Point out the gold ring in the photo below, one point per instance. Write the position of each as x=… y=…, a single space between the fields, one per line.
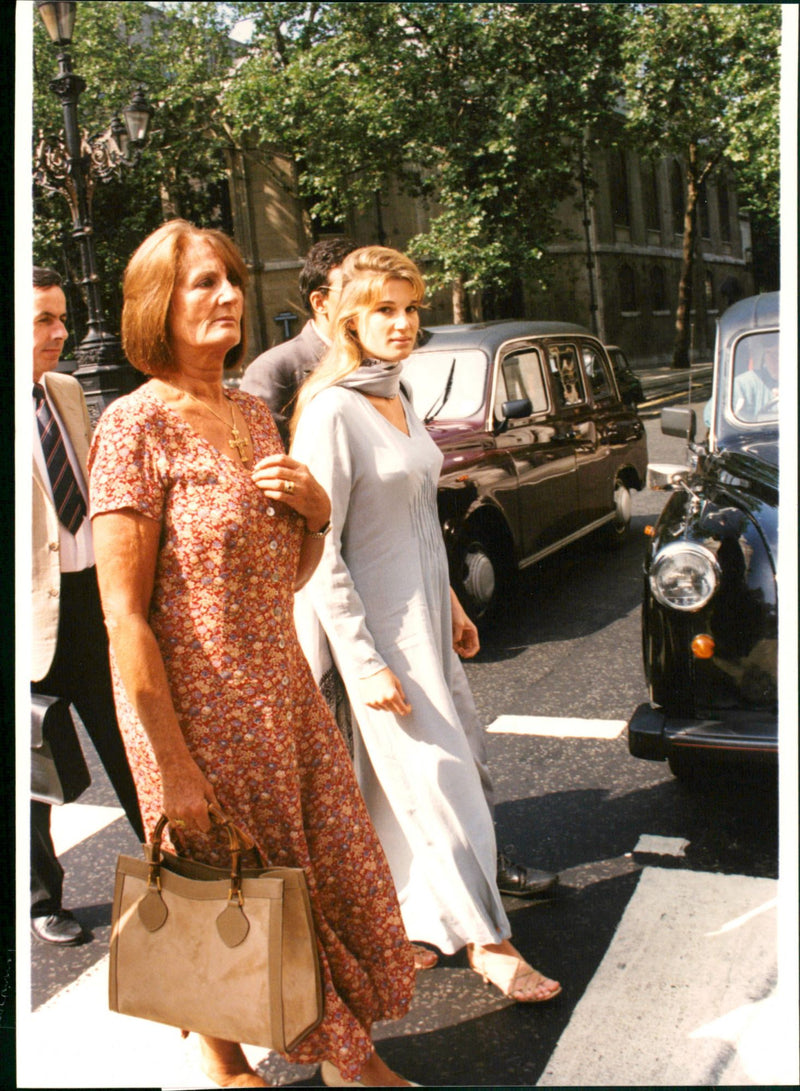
x=179 y=823
x=289 y=487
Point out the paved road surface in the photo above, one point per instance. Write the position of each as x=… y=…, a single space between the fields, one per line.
x=680 y=988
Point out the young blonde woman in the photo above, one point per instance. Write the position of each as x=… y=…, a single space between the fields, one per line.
x=381 y=593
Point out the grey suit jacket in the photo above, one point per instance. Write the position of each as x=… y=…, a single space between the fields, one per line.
x=277 y=374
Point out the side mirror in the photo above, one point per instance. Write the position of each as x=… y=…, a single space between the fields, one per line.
x=517 y=409
x=679 y=422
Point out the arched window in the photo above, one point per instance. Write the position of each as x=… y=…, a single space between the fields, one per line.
x=627 y=289
x=618 y=175
x=650 y=200
x=723 y=202
x=676 y=188
x=658 y=289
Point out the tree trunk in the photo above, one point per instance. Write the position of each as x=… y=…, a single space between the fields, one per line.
x=683 y=316
x=459 y=300
x=170 y=204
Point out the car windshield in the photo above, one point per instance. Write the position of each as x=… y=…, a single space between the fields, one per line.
x=447 y=385
x=753 y=391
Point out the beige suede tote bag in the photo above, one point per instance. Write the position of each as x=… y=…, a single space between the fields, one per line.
x=230 y=955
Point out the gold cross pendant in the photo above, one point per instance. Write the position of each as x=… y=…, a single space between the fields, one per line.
x=239 y=442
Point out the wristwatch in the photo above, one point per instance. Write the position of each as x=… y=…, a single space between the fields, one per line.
x=323 y=530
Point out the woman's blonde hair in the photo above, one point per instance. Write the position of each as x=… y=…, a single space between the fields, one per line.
x=365 y=274
x=148 y=286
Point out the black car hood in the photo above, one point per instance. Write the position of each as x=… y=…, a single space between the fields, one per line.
x=763 y=450
x=749 y=483
x=762 y=447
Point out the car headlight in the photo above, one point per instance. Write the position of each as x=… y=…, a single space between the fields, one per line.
x=684 y=576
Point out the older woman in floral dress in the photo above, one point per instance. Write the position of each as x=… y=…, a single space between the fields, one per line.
x=203 y=528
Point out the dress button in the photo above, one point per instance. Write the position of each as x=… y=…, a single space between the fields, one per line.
x=53 y=593
x=53 y=547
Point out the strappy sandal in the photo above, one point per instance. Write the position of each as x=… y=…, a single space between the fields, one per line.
x=332 y=1077
x=511 y=975
x=424 y=958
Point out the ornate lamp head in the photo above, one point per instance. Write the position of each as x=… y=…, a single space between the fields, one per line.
x=58 y=17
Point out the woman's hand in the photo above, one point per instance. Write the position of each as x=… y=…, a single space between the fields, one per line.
x=383 y=691
x=283 y=478
x=466 y=642
x=186 y=796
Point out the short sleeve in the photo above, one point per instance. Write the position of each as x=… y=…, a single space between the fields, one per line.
x=128 y=466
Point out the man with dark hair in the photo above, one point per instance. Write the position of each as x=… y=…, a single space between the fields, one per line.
x=277 y=374
x=70 y=648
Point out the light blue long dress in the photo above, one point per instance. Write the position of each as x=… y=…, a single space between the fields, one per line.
x=381 y=593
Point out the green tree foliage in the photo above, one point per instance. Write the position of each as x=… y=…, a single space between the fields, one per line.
x=180 y=53
x=702 y=83
x=479 y=109
x=476 y=107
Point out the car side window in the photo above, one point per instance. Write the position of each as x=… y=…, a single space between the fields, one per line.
x=566 y=375
x=755 y=377
x=521 y=376
x=597 y=373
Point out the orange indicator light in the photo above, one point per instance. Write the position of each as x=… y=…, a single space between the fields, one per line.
x=703 y=646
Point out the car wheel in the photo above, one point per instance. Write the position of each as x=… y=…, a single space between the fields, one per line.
x=615 y=532
x=483 y=577
x=687 y=769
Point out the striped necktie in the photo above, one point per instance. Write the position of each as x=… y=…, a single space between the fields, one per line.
x=70 y=505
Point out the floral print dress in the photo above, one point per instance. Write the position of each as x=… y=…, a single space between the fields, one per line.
x=251 y=715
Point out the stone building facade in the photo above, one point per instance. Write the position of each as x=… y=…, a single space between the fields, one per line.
x=615 y=264
x=618 y=258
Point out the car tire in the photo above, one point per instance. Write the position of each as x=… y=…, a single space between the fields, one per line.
x=615 y=533
x=687 y=769
x=484 y=576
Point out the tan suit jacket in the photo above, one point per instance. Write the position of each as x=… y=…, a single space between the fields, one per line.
x=65 y=396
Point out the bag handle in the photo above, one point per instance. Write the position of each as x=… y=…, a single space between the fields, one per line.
x=238 y=839
x=232 y=924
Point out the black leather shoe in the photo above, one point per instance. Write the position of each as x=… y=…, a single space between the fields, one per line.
x=60 y=928
x=521 y=881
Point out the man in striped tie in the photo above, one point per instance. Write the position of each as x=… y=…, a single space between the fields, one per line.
x=70 y=648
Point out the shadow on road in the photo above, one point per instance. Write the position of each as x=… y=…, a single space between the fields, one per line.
x=569 y=595
x=730 y=823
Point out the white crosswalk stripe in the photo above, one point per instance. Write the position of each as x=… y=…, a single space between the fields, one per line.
x=560 y=727
x=690 y=945
x=74 y=822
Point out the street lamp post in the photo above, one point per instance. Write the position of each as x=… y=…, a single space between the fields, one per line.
x=69 y=166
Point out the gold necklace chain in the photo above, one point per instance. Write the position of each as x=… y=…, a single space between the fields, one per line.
x=237 y=440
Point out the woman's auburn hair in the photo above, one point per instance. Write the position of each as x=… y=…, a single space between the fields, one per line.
x=365 y=274
x=148 y=286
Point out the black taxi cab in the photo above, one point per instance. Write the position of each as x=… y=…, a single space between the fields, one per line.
x=539 y=447
x=710 y=609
